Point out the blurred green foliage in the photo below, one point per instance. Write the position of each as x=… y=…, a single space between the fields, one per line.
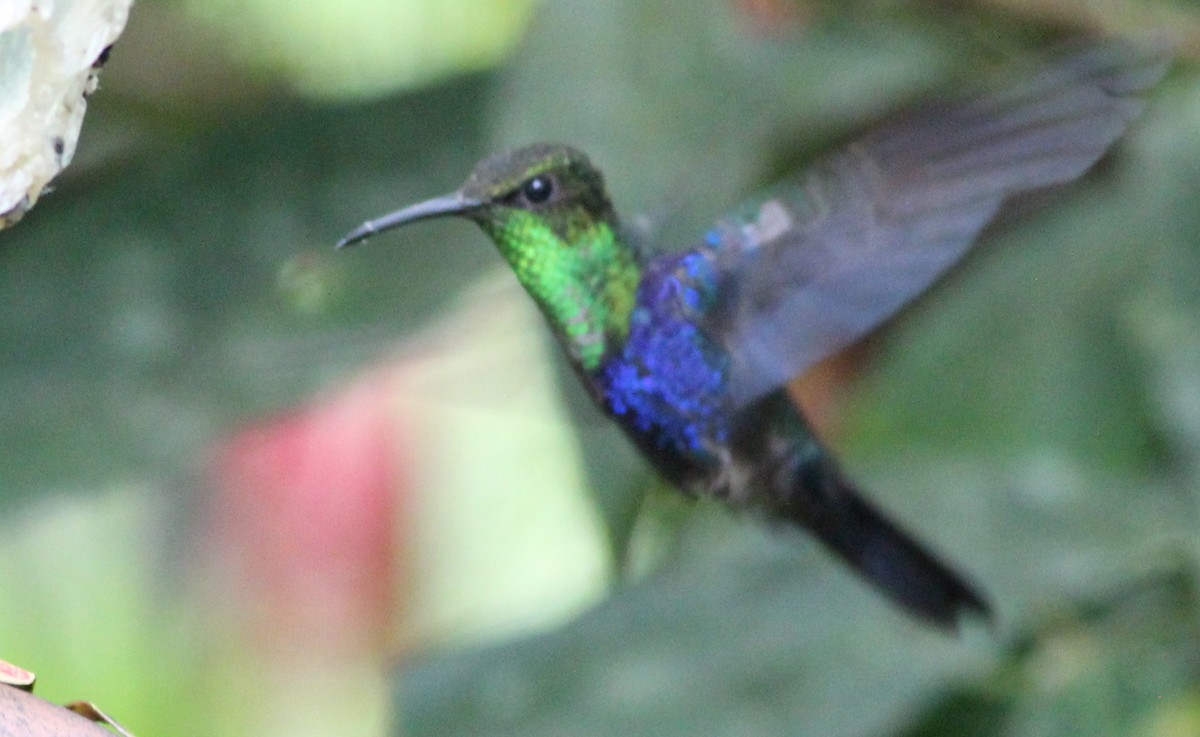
x=1037 y=417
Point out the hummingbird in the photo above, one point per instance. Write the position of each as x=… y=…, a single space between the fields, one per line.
x=689 y=351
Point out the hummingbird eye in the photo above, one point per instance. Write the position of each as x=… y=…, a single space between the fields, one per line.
x=537 y=189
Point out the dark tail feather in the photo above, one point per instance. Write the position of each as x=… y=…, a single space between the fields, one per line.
x=881 y=552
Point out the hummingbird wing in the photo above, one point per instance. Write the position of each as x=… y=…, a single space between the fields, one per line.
x=830 y=256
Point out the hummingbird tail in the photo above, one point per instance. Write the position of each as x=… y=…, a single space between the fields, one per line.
x=820 y=500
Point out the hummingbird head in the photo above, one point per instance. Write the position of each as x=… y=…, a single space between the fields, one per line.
x=553 y=185
x=546 y=209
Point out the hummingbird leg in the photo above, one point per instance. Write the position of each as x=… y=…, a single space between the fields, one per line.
x=730 y=482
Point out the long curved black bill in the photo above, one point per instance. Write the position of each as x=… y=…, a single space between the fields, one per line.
x=449 y=205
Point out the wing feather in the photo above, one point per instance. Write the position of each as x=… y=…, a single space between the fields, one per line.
x=828 y=257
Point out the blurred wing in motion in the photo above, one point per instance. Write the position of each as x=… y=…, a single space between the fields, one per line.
x=830 y=256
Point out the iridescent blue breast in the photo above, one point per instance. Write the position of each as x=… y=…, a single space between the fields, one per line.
x=667 y=385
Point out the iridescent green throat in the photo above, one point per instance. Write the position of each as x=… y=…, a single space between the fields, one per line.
x=585 y=283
